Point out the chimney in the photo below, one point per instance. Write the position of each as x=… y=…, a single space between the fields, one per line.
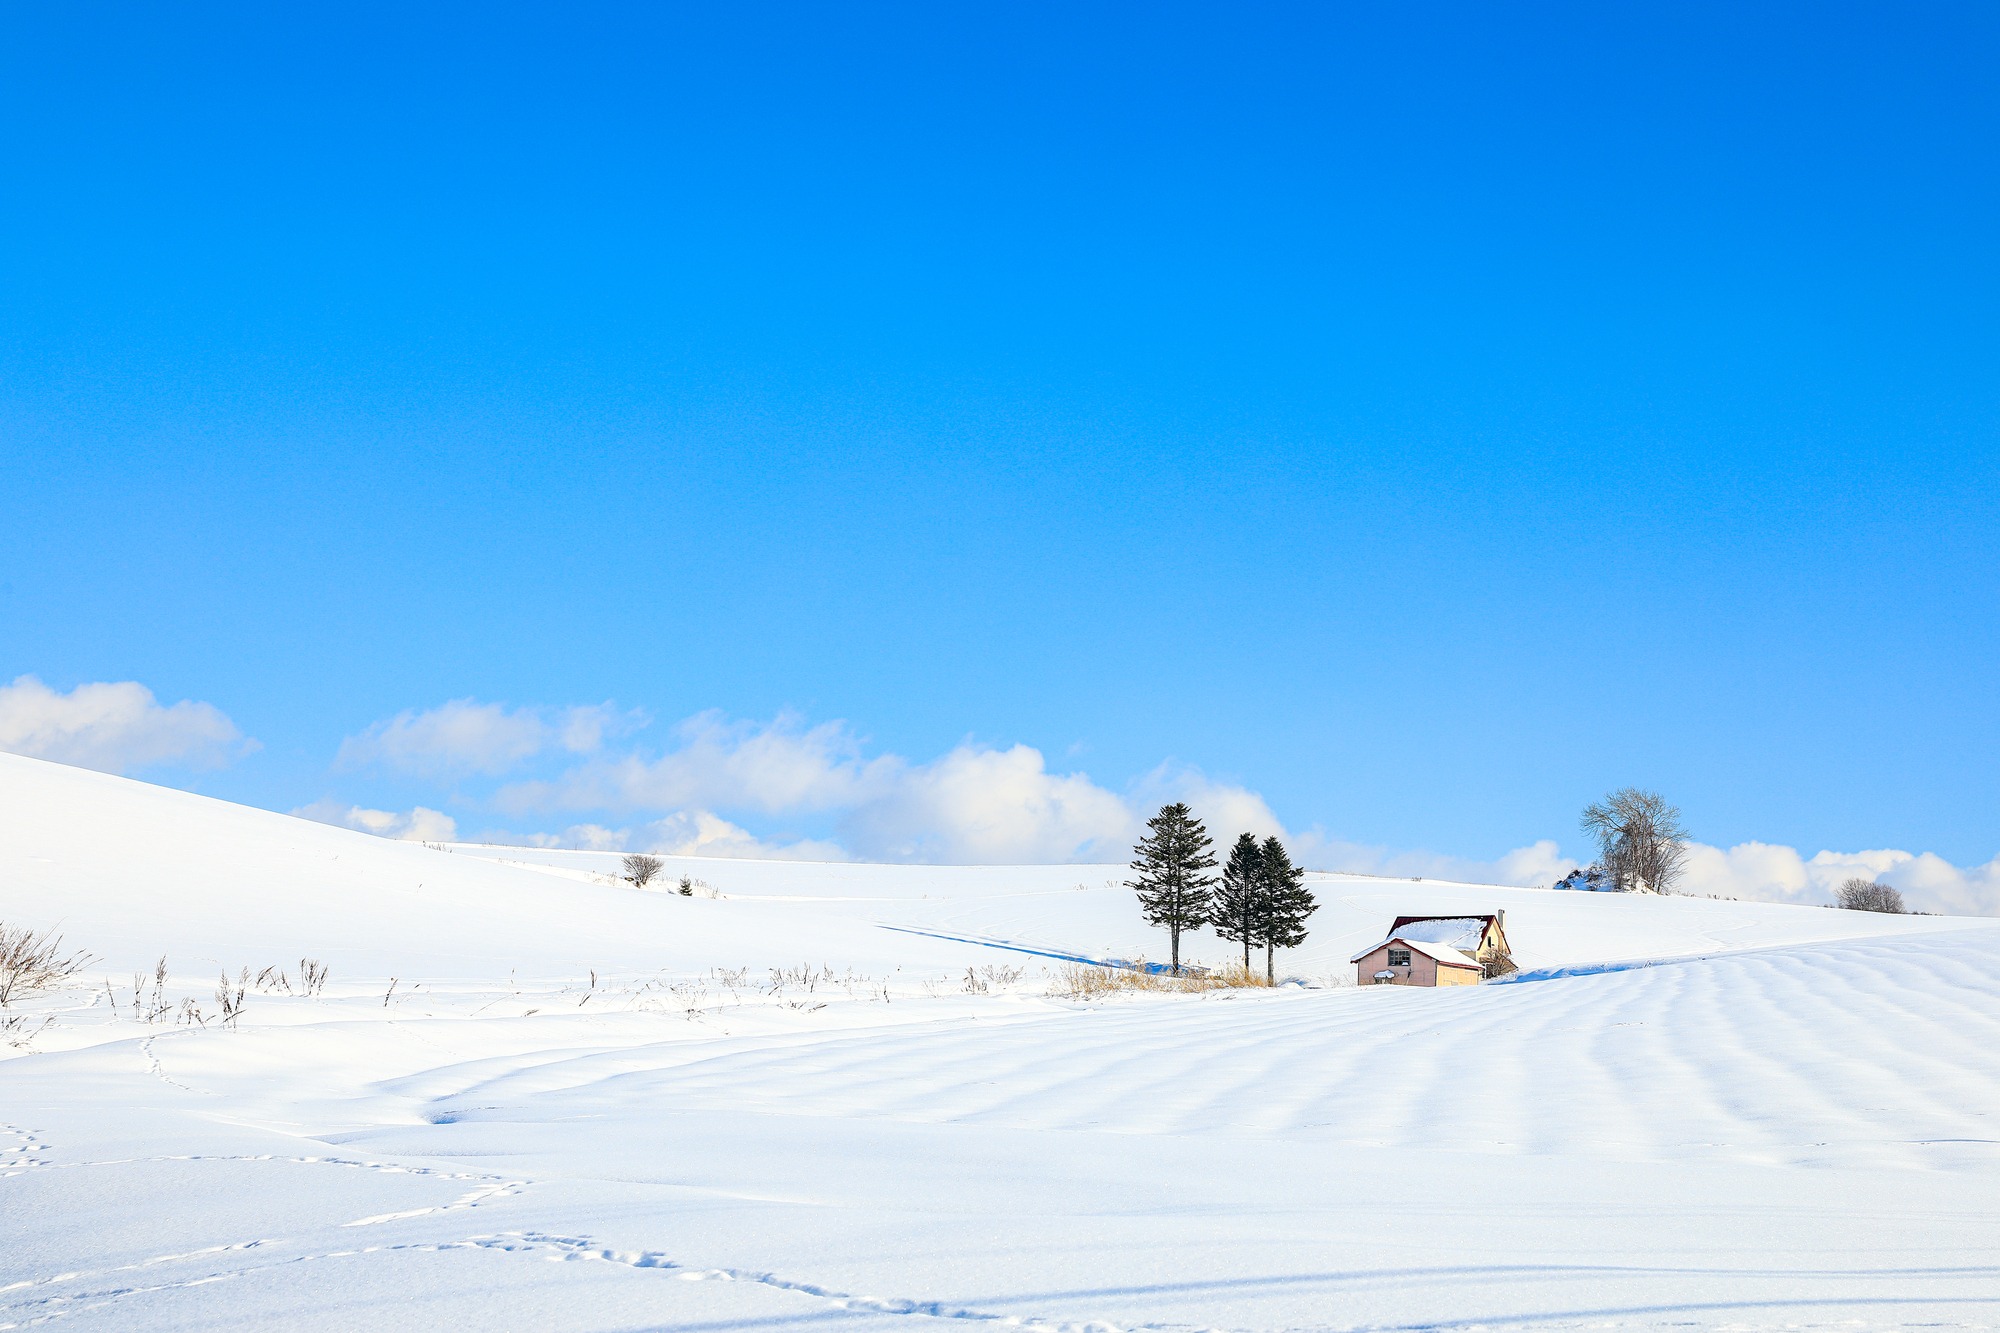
x=1500 y=919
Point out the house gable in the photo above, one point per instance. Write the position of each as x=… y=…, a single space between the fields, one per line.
x=1483 y=935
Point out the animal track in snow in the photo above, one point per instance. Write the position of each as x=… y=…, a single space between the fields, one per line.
x=20 y=1155
x=579 y=1247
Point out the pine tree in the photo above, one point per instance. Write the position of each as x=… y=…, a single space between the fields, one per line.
x=1238 y=906
x=1167 y=866
x=1286 y=905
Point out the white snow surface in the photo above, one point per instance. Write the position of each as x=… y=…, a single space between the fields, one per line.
x=787 y=1108
x=1456 y=932
x=1444 y=953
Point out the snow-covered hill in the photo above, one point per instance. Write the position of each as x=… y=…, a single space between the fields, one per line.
x=132 y=872
x=824 y=1099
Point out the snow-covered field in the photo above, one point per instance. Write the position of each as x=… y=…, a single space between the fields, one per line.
x=844 y=1096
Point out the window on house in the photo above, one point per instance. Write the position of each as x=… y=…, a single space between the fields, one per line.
x=1399 y=958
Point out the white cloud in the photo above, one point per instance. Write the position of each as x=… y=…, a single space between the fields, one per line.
x=1759 y=871
x=1227 y=810
x=989 y=806
x=972 y=804
x=420 y=824
x=701 y=833
x=1935 y=884
x=683 y=833
x=577 y=837
x=1749 y=870
x=1774 y=873
x=775 y=767
x=464 y=736
x=113 y=727
x=977 y=804
x=1538 y=863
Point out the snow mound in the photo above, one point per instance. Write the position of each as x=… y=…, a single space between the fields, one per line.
x=531 y=1098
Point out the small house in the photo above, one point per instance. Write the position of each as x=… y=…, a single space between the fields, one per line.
x=1437 y=951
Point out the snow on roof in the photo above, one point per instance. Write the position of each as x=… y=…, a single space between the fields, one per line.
x=1443 y=953
x=1460 y=932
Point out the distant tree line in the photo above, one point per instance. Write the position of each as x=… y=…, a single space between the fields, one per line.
x=1259 y=901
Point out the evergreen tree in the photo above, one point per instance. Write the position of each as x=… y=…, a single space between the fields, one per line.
x=1286 y=903
x=1238 y=906
x=1167 y=866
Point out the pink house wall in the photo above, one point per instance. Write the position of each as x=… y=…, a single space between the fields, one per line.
x=1422 y=971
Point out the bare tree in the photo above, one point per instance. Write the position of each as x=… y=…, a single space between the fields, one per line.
x=640 y=870
x=1641 y=837
x=1866 y=895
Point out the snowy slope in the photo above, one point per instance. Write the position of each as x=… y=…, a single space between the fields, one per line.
x=1791 y=1123
x=131 y=872
x=1086 y=909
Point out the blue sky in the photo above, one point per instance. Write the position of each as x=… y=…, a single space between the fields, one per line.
x=1425 y=418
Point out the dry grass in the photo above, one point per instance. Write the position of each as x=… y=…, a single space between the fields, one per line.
x=32 y=961
x=21 y=1029
x=1234 y=976
x=1089 y=981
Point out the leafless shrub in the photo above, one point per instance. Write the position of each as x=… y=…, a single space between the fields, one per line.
x=640 y=869
x=271 y=981
x=229 y=997
x=1866 y=895
x=312 y=976
x=974 y=983
x=31 y=962
x=190 y=1015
